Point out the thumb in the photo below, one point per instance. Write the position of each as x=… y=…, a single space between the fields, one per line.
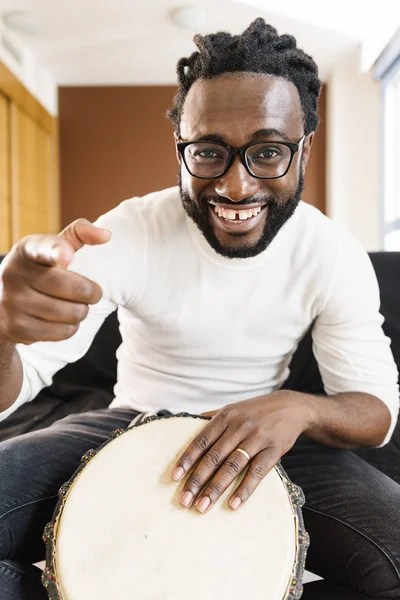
x=75 y=236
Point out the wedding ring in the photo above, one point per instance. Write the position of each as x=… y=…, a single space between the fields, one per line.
x=244 y=453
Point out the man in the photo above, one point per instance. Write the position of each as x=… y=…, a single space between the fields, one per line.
x=216 y=282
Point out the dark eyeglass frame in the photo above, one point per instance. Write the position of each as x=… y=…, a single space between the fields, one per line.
x=232 y=152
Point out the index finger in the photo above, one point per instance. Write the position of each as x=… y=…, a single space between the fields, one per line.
x=198 y=447
x=66 y=285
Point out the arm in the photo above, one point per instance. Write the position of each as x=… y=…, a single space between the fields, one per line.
x=40 y=300
x=348 y=420
x=360 y=378
x=354 y=357
x=72 y=302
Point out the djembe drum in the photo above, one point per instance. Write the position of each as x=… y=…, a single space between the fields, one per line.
x=119 y=532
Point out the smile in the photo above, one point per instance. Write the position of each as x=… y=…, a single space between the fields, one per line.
x=237 y=215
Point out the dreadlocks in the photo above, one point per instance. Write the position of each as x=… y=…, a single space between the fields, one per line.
x=259 y=49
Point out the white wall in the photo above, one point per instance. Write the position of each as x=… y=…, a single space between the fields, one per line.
x=354 y=152
x=24 y=65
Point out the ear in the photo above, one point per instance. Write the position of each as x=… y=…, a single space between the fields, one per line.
x=178 y=155
x=305 y=155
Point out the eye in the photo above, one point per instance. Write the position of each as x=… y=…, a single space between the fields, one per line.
x=207 y=153
x=267 y=153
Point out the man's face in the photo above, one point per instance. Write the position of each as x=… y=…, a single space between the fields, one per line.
x=234 y=109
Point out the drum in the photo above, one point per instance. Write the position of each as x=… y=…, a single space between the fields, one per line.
x=119 y=532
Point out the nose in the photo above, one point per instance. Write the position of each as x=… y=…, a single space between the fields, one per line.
x=237 y=184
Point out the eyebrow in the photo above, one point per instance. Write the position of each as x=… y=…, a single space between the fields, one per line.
x=261 y=134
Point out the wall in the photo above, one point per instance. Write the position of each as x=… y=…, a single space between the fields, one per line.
x=25 y=67
x=315 y=178
x=354 y=153
x=115 y=142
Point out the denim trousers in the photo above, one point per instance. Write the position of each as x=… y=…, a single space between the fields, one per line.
x=351 y=513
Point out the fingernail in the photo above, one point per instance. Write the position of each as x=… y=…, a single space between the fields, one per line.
x=186 y=499
x=177 y=473
x=235 y=503
x=203 y=504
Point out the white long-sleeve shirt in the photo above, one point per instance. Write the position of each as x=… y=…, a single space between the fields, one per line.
x=200 y=330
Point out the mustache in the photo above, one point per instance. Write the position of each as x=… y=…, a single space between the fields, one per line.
x=246 y=201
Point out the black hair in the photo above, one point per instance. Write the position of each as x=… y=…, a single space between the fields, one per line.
x=259 y=49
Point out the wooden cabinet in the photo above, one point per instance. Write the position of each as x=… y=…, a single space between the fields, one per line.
x=29 y=197
x=5 y=184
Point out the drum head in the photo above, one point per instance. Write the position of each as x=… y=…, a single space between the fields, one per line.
x=121 y=532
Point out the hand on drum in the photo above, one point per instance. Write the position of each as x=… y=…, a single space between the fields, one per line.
x=251 y=435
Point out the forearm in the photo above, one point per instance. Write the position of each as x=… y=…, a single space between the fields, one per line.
x=11 y=375
x=349 y=420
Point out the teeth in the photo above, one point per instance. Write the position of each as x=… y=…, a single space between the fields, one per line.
x=242 y=214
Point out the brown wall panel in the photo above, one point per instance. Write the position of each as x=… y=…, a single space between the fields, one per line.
x=115 y=142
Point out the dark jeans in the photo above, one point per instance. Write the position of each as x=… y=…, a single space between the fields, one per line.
x=351 y=512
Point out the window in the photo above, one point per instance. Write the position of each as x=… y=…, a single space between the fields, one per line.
x=391 y=157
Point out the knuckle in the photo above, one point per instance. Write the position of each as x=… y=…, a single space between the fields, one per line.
x=68 y=331
x=213 y=458
x=246 y=491
x=227 y=410
x=231 y=413
x=84 y=290
x=18 y=324
x=11 y=277
x=233 y=466
x=257 y=471
x=247 y=424
x=53 y=278
x=195 y=482
x=201 y=442
x=213 y=489
x=97 y=293
x=79 y=312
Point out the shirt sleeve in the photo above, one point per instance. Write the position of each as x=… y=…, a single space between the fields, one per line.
x=117 y=267
x=351 y=349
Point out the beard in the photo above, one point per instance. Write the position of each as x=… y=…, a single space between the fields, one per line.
x=278 y=213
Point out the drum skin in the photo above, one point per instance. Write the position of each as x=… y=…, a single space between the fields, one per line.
x=119 y=532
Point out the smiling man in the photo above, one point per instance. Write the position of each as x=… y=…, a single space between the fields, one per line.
x=215 y=282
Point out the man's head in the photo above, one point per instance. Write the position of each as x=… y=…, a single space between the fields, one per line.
x=255 y=88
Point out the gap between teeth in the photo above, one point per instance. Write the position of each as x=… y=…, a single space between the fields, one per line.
x=242 y=214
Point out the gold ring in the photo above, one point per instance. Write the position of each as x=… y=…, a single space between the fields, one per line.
x=244 y=453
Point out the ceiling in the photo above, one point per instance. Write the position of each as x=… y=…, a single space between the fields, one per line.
x=126 y=42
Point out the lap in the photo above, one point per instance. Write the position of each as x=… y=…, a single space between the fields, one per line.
x=351 y=510
x=35 y=465
x=351 y=514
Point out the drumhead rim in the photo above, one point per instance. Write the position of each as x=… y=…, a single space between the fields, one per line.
x=295 y=493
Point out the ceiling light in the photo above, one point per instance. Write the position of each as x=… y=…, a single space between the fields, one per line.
x=189 y=17
x=22 y=22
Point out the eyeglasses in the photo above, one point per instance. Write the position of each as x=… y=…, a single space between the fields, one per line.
x=264 y=160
